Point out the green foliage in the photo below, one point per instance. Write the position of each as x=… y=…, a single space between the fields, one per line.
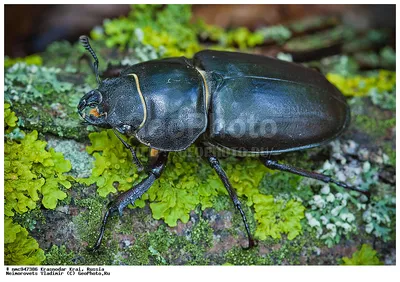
x=277 y=216
x=19 y=247
x=365 y=256
x=28 y=83
x=380 y=86
x=29 y=60
x=30 y=170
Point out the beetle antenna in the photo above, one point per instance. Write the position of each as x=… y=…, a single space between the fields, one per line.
x=85 y=43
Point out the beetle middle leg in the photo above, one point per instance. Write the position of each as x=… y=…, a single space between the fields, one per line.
x=271 y=164
x=157 y=163
x=214 y=163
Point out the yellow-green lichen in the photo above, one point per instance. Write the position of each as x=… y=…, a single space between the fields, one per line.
x=30 y=171
x=168 y=29
x=29 y=60
x=277 y=216
x=112 y=165
x=365 y=256
x=19 y=247
x=362 y=85
x=188 y=182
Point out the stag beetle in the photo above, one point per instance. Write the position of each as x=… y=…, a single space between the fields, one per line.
x=235 y=102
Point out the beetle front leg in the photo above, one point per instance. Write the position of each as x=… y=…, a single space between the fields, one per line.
x=314 y=175
x=214 y=163
x=135 y=159
x=157 y=163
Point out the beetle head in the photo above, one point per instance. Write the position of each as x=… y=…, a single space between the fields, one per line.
x=91 y=110
x=115 y=104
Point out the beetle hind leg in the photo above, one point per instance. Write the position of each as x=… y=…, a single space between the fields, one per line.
x=214 y=163
x=271 y=164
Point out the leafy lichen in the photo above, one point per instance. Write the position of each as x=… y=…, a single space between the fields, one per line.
x=27 y=83
x=277 y=216
x=19 y=247
x=365 y=256
x=330 y=216
x=188 y=182
x=29 y=171
x=380 y=86
x=29 y=60
x=168 y=29
x=378 y=217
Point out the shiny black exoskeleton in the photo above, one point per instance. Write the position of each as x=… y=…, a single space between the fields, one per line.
x=234 y=102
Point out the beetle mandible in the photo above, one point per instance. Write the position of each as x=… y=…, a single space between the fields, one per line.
x=171 y=103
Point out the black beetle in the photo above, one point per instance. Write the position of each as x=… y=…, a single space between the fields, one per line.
x=235 y=102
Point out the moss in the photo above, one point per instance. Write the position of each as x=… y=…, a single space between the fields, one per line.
x=33 y=91
x=31 y=174
x=165 y=248
x=87 y=222
x=19 y=247
x=375 y=127
x=365 y=256
x=238 y=256
x=29 y=219
x=59 y=256
x=138 y=253
x=113 y=165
